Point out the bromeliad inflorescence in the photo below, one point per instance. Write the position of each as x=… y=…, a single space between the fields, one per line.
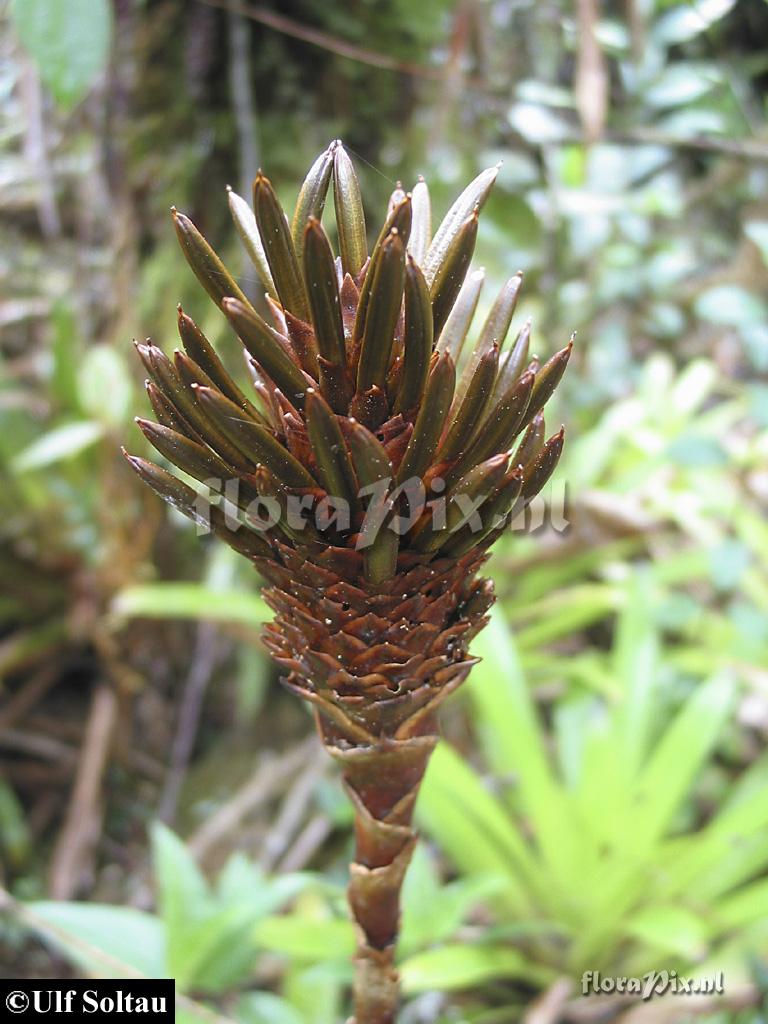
x=371 y=480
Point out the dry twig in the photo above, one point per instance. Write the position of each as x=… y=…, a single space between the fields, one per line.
x=81 y=824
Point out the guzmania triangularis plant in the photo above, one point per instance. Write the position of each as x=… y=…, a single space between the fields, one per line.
x=370 y=481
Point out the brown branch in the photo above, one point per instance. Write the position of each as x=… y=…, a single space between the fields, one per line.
x=206 y=655
x=28 y=695
x=743 y=149
x=79 y=832
x=242 y=99
x=36 y=151
x=324 y=40
x=268 y=779
x=306 y=844
x=292 y=812
x=548 y=1007
x=32 y=745
x=590 y=85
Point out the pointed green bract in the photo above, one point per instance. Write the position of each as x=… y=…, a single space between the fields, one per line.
x=494 y=512
x=167 y=414
x=471 y=199
x=418 y=335
x=372 y=466
x=380 y=559
x=204 y=354
x=547 y=379
x=421 y=229
x=278 y=247
x=323 y=291
x=383 y=313
x=467 y=497
x=174 y=380
x=500 y=426
x=350 y=218
x=255 y=443
x=431 y=419
x=400 y=219
x=312 y=196
x=514 y=359
x=454 y=333
x=397 y=196
x=187 y=501
x=538 y=472
x=498 y=320
x=208 y=268
x=178 y=494
x=245 y=223
x=369 y=457
x=264 y=344
x=334 y=465
x=473 y=402
x=192 y=458
x=531 y=443
x=447 y=282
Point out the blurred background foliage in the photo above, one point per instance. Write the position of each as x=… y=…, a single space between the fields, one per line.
x=602 y=802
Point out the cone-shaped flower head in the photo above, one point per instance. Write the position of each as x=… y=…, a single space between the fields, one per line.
x=384 y=447
x=372 y=476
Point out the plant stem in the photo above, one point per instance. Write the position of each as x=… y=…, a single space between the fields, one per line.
x=383 y=782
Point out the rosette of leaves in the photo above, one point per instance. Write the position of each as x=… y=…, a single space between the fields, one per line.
x=372 y=478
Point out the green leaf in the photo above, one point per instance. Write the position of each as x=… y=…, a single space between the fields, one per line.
x=635 y=657
x=731 y=848
x=431 y=912
x=473 y=828
x=104 y=386
x=221 y=951
x=668 y=777
x=14 y=834
x=688 y=20
x=304 y=938
x=515 y=743
x=682 y=83
x=748 y=904
x=183 y=897
x=671 y=929
x=66 y=352
x=58 y=444
x=757 y=232
x=217 y=953
x=210 y=932
x=189 y=601
x=265 y=1008
x=69 y=41
x=731 y=306
x=467 y=966
x=696 y=451
x=316 y=992
x=102 y=939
